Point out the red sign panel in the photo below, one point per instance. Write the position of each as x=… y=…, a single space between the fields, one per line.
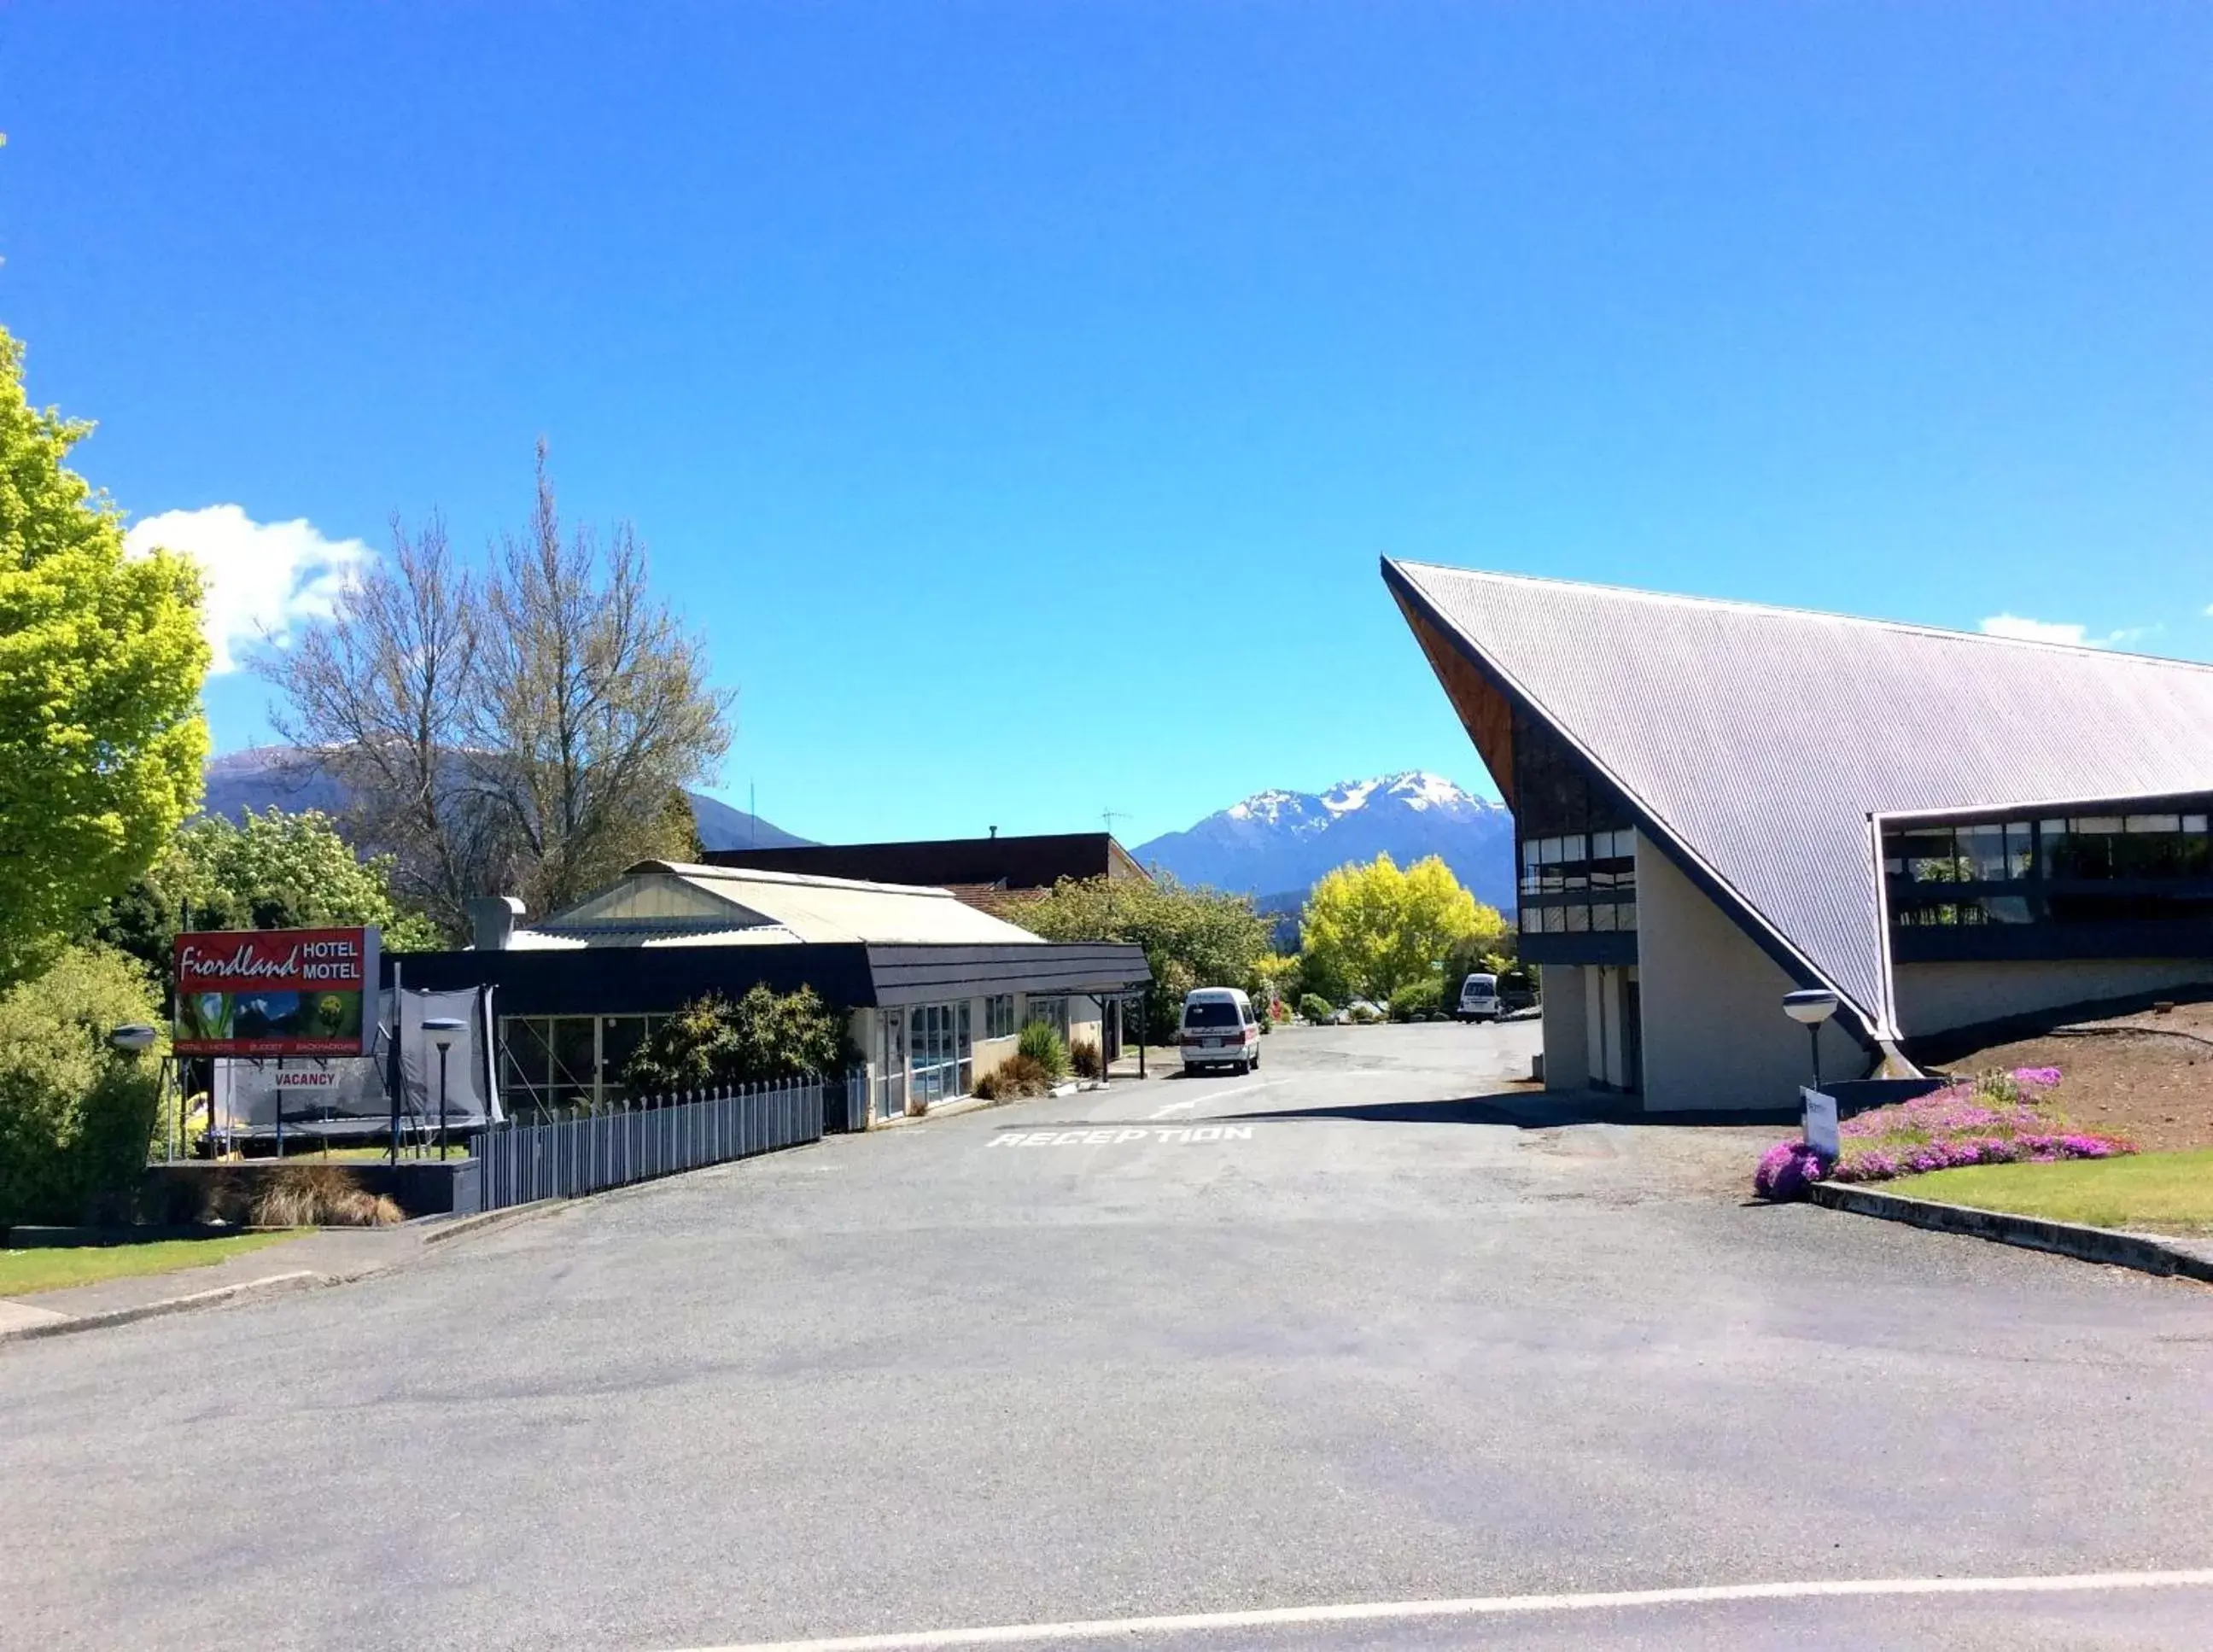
x=276 y=992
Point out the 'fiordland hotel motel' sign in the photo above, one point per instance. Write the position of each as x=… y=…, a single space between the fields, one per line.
x=264 y=993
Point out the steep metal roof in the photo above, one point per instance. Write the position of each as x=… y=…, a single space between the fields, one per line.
x=1761 y=740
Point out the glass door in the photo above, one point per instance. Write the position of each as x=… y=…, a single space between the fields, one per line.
x=891 y=1095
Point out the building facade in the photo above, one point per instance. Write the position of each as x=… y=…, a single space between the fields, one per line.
x=935 y=992
x=1717 y=803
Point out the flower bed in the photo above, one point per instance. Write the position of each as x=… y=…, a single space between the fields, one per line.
x=1995 y=1118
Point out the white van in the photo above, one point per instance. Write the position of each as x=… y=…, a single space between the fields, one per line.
x=1219 y=1030
x=1478 y=999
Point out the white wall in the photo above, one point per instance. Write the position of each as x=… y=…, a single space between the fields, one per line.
x=1931 y=997
x=1606 y=1059
x=1715 y=1032
x=1567 y=1033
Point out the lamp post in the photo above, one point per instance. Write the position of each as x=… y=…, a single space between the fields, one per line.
x=134 y=1040
x=1810 y=1008
x=441 y=1029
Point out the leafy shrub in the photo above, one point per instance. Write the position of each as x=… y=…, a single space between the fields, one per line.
x=1364 y=1014
x=76 y=1116
x=1017 y=1075
x=1043 y=1044
x=320 y=1196
x=1417 y=998
x=760 y=1037
x=1084 y=1056
x=1316 y=1008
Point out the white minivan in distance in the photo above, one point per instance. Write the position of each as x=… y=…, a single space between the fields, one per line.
x=1478 y=999
x=1219 y=1030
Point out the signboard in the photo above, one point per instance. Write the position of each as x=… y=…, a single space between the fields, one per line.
x=1822 y=1124
x=276 y=992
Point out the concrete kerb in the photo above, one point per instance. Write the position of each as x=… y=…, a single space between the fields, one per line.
x=2140 y=1252
x=63 y=1324
x=442 y=1229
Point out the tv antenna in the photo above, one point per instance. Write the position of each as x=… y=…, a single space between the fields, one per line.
x=1110 y=815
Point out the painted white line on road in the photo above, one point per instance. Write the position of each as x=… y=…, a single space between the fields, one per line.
x=1173 y=1106
x=1496 y=1605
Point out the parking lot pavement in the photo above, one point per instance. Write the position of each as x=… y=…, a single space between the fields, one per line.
x=1390 y=1336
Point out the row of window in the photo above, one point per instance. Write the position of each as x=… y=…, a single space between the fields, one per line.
x=563 y=1064
x=1599 y=861
x=999 y=1016
x=1597 y=917
x=1982 y=910
x=2081 y=848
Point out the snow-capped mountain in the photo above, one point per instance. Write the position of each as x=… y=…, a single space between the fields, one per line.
x=1279 y=843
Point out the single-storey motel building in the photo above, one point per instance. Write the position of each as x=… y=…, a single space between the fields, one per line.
x=937 y=989
x=1717 y=803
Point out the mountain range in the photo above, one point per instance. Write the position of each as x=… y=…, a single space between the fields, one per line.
x=285 y=777
x=1274 y=844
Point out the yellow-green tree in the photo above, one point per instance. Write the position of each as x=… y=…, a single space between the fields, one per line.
x=1368 y=930
x=102 y=738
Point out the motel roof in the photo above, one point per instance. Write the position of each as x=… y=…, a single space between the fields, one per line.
x=1755 y=744
x=673 y=904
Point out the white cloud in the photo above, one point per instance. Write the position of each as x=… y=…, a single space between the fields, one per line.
x=2043 y=631
x=263 y=578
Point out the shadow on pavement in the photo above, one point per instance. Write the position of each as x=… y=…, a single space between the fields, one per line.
x=1529 y=1112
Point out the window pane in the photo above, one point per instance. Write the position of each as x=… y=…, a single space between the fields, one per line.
x=2193 y=823
x=2153 y=823
x=1601 y=916
x=1554 y=920
x=1624 y=916
x=1578 y=919
x=2097 y=823
x=575 y=1057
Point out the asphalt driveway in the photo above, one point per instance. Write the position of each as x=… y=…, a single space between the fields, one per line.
x=1330 y=1333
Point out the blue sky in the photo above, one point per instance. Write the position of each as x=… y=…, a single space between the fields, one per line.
x=1019 y=397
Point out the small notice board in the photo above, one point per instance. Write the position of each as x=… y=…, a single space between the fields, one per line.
x=1820 y=1123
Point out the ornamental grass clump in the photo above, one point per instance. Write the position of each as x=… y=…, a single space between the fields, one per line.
x=1995 y=1117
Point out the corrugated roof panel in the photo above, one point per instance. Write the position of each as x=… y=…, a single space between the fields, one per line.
x=1761 y=739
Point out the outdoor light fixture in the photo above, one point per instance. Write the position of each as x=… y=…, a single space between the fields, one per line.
x=133 y=1038
x=441 y=1029
x=1810 y=1008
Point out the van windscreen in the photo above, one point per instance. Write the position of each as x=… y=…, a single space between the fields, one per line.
x=1211 y=1012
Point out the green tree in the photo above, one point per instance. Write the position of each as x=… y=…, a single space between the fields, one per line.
x=1369 y=930
x=102 y=738
x=1192 y=937
x=271 y=871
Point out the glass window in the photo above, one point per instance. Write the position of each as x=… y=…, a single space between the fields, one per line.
x=1601 y=916
x=1555 y=920
x=2152 y=823
x=2020 y=849
x=1210 y=1012
x=2087 y=824
x=1983 y=854
x=1578 y=919
x=2193 y=823
x=1624 y=916
x=1529 y=856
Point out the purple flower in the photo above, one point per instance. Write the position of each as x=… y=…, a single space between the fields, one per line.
x=1786 y=1170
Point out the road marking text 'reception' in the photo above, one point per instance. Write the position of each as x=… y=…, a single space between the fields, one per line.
x=1122 y=1134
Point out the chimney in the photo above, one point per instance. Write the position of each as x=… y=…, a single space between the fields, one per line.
x=994 y=831
x=492 y=921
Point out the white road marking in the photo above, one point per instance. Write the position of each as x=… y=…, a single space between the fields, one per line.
x=1121 y=1135
x=1491 y=1606
x=1173 y=1106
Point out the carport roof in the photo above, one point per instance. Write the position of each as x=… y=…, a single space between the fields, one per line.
x=1755 y=743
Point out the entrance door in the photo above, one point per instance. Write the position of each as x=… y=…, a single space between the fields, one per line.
x=891 y=1093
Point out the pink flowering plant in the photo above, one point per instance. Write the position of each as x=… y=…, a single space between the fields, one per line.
x=1995 y=1117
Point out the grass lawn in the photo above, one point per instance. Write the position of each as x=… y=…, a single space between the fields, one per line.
x=2158 y=1193
x=60 y=1266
